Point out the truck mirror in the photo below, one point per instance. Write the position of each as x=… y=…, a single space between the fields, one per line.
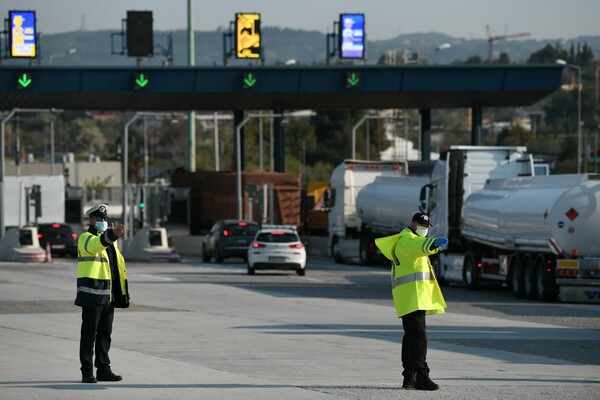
x=423 y=198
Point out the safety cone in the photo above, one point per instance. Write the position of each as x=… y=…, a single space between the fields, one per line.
x=174 y=256
x=48 y=257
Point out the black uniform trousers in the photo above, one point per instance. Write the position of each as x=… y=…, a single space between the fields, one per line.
x=414 y=344
x=96 y=328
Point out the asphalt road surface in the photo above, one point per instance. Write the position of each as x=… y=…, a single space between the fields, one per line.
x=208 y=330
x=352 y=282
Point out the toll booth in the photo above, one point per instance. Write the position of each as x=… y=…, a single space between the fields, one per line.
x=161 y=205
x=21 y=244
x=74 y=205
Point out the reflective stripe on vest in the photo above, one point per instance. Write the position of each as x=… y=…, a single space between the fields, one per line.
x=417 y=276
x=92 y=258
x=99 y=292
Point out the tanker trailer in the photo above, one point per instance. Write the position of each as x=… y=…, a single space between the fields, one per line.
x=385 y=207
x=539 y=234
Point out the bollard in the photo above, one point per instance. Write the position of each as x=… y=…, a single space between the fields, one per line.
x=48 y=257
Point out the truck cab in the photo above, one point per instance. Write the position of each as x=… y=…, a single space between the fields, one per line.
x=461 y=171
x=344 y=222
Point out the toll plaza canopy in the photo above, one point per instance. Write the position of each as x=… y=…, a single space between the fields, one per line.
x=278 y=88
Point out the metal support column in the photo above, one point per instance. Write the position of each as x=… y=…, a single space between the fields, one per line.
x=425 y=134
x=476 y=118
x=238 y=117
x=279 y=142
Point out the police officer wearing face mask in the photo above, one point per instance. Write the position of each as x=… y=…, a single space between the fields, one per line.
x=416 y=293
x=101 y=286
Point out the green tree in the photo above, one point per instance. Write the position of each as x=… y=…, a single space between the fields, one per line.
x=515 y=136
x=89 y=138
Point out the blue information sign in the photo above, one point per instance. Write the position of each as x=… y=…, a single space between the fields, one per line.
x=22 y=34
x=352 y=36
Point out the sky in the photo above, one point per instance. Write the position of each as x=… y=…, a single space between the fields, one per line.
x=385 y=19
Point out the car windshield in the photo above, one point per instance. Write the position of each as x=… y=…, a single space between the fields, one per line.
x=240 y=230
x=277 y=237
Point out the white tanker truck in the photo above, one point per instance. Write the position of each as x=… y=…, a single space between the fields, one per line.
x=538 y=234
x=385 y=207
x=370 y=199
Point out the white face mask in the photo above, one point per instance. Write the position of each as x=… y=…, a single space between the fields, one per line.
x=101 y=226
x=422 y=231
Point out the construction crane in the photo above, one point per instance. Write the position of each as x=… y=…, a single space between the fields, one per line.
x=492 y=39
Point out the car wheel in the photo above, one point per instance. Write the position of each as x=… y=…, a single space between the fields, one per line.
x=301 y=272
x=250 y=270
x=205 y=255
x=218 y=256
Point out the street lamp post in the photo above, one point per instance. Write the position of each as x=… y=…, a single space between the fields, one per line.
x=579 y=87
x=125 y=162
x=238 y=157
x=67 y=53
x=359 y=123
x=2 y=173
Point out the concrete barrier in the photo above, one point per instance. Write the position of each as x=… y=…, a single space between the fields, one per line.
x=150 y=244
x=188 y=245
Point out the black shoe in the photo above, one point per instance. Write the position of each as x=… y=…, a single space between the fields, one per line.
x=424 y=383
x=107 y=375
x=88 y=377
x=409 y=380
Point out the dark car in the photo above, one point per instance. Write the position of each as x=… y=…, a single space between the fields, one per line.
x=228 y=238
x=62 y=239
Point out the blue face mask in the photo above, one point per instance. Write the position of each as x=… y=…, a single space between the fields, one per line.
x=101 y=226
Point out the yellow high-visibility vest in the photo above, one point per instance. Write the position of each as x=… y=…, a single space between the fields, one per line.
x=414 y=286
x=94 y=274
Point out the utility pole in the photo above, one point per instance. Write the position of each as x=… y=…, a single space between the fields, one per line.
x=192 y=114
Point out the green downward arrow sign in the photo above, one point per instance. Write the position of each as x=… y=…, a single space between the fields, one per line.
x=249 y=80
x=24 y=81
x=352 y=80
x=142 y=81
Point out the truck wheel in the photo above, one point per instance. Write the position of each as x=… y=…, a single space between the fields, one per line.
x=335 y=252
x=437 y=270
x=547 y=290
x=516 y=276
x=529 y=277
x=205 y=255
x=365 y=250
x=471 y=272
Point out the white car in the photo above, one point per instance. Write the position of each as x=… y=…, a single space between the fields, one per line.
x=277 y=247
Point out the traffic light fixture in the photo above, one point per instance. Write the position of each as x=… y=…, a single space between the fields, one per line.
x=36 y=198
x=140 y=36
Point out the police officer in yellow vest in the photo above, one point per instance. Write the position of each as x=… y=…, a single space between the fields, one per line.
x=101 y=286
x=416 y=293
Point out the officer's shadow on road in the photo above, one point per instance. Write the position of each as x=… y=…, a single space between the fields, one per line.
x=501 y=343
x=75 y=386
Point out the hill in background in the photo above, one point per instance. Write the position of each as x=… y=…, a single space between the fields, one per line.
x=281 y=45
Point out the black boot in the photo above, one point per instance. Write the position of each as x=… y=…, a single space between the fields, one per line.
x=410 y=379
x=105 y=374
x=424 y=383
x=88 y=377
